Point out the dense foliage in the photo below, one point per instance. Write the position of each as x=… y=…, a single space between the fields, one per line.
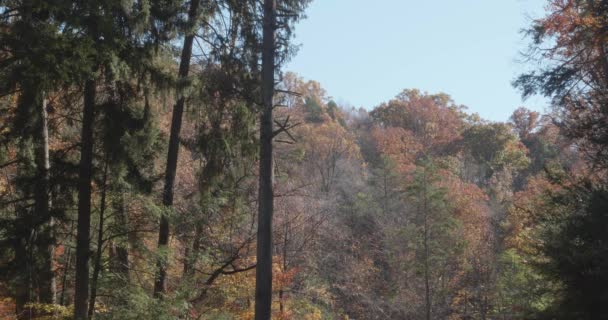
x=131 y=141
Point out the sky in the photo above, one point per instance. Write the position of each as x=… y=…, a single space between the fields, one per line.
x=366 y=52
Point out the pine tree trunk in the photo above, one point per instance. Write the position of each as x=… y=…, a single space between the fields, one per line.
x=192 y=253
x=43 y=204
x=35 y=97
x=121 y=266
x=172 y=155
x=263 y=287
x=81 y=290
x=98 y=253
x=64 y=279
x=22 y=292
x=66 y=267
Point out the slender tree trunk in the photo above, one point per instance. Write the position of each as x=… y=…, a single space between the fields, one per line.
x=284 y=268
x=281 y=302
x=43 y=204
x=187 y=264
x=427 y=287
x=192 y=253
x=67 y=266
x=35 y=98
x=484 y=307
x=22 y=249
x=385 y=190
x=39 y=284
x=98 y=253
x=22 y=294
x=65 y=277
x=263 y=286
x=172 y=155
x=121 y=266
x=81 y=291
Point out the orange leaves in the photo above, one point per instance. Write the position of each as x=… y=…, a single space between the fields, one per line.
x=571 y=24
x=524 y=214
x=524 y=121
x=323 y=146
x=463 y=194
x=433 y=119
x=469 y=204
x=329 y=140
x=282 y=279
x=566 y=16
x=399 y=145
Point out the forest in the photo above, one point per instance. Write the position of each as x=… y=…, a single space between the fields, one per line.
x=157 y=161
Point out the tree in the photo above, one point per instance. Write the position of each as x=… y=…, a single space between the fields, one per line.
x=84 y=204
x=399 y=145
x=434 y=119
x=568 y=44
x=173 y=152
x=323 y=147
x=31 y=41
x=434 y=237
x=574 y=244
x=271 y=22
x=494 y=148
x=120 y=43
x=573 y=72
x=524 y=122
x=263 y=284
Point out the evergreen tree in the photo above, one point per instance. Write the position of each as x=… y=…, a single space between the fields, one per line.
x=190 y=30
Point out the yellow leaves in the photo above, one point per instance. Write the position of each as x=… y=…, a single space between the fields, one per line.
x=3 y=186
x=235 y=294
x=7 y=307
x=43 y=311
x=329 y=140
x=315 y=315
x=321 y=293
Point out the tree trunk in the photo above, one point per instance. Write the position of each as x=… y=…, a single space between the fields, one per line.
x=121 y=251
x=65 y=276
x=263 y=274
x=22 y=293
x=172 y=155
x=98 y=253
x=284 y=268
x=281 y=303
x=35 y=98
x=43 y=205
x=66 y=267
x=427 y=287
x=192 y=253
x=23 y=288
x=81 y=290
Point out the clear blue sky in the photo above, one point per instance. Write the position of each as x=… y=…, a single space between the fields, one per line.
x=365 y=52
